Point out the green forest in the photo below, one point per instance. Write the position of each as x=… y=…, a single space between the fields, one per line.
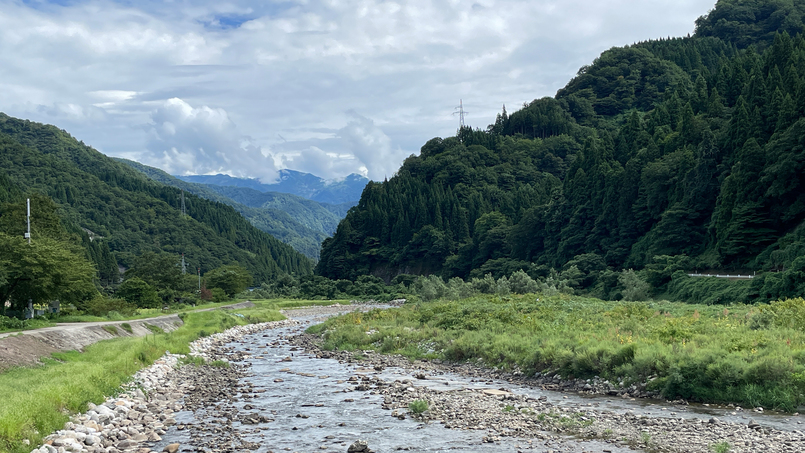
x=101 y=216
x=667 y=156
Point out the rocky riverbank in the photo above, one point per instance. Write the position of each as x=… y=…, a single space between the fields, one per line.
x=503 y=413
x=144 y=411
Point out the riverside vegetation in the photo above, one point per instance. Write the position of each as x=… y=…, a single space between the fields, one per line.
x=37 y=401
x=747 y=355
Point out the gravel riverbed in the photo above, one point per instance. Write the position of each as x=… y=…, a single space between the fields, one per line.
x=219 y=409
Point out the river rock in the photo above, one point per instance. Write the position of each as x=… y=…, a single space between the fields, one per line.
x=171 y=448
x=359 y=446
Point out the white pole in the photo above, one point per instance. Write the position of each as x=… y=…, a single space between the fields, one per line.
x=28 y=234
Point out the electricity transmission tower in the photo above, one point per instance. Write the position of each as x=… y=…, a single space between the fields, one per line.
x=460 y=112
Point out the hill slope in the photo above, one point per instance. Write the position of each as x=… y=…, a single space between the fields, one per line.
x=133 y=214
x=298 y=222
x=683 y=150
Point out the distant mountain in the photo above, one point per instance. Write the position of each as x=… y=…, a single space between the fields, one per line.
x=293 y=182
x=296 y=221
x=133 y=214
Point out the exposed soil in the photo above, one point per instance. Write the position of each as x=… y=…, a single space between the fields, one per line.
x=23 y=350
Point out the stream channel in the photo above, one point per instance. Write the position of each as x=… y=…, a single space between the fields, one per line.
x=313 y=409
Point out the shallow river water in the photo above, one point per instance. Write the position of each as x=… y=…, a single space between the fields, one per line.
x=313 y=408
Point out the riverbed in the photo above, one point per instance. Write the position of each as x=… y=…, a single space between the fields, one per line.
x=269 y=389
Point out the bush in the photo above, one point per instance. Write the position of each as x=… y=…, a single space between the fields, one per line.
x=430 y=288
x=486 y=285
x=138 y=293
x=634 y=287
x=418 y=406
x=102 y=306
x=219 y=295
x=521 y=283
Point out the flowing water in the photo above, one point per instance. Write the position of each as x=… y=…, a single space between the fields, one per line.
x=311 y=411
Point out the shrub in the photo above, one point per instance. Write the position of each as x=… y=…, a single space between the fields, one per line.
x=521 y=283
x=634 y=287
x=139 y=293
x=486 y=285
x=418 y=406
x=219 y=295
x=102 y=306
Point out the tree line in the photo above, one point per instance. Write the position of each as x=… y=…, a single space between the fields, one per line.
x=682 y=150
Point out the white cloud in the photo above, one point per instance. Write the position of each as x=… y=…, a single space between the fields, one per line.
x=371 y=147
x=196 y=140
x=294 y=69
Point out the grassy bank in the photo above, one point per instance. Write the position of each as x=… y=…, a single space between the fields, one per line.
x=37 y=401
x=749 y=355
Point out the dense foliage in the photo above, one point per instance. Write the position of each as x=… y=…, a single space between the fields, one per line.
x=121 y=214
x=684 y=149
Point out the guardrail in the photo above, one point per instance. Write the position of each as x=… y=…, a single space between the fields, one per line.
x=745 y=277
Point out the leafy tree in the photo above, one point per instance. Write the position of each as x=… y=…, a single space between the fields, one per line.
x=43 y=271
x=161 y=271
x=136 y=291
x=230 y=278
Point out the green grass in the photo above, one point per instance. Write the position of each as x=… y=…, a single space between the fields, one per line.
x=111 y=329
x=749 y=355
x=127 y=327
x=37 y=400
x=721 y=447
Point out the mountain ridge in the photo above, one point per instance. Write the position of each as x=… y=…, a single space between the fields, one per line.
x=297 y=221
x=306 y=185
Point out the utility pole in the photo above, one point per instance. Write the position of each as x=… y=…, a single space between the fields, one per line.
x=199 y=278
x=28 y=234
x=184 y=211
x=184 y=265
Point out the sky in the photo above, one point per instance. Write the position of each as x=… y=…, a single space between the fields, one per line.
x=327 y=87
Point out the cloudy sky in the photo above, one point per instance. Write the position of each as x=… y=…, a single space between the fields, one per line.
x=323 y=86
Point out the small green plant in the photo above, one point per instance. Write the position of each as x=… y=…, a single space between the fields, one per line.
x=111 y=329
x=721 y=447
x=192 y=360
x=418 y=406
x=127 y=327
x=508 y=408
x=646 y=438
x=154 y=329
x=542 y=417
x=607 y=433
x=220 y=364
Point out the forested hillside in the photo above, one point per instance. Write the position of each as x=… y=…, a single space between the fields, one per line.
x=128 y=214
x=675 y=154
x=303 y=224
